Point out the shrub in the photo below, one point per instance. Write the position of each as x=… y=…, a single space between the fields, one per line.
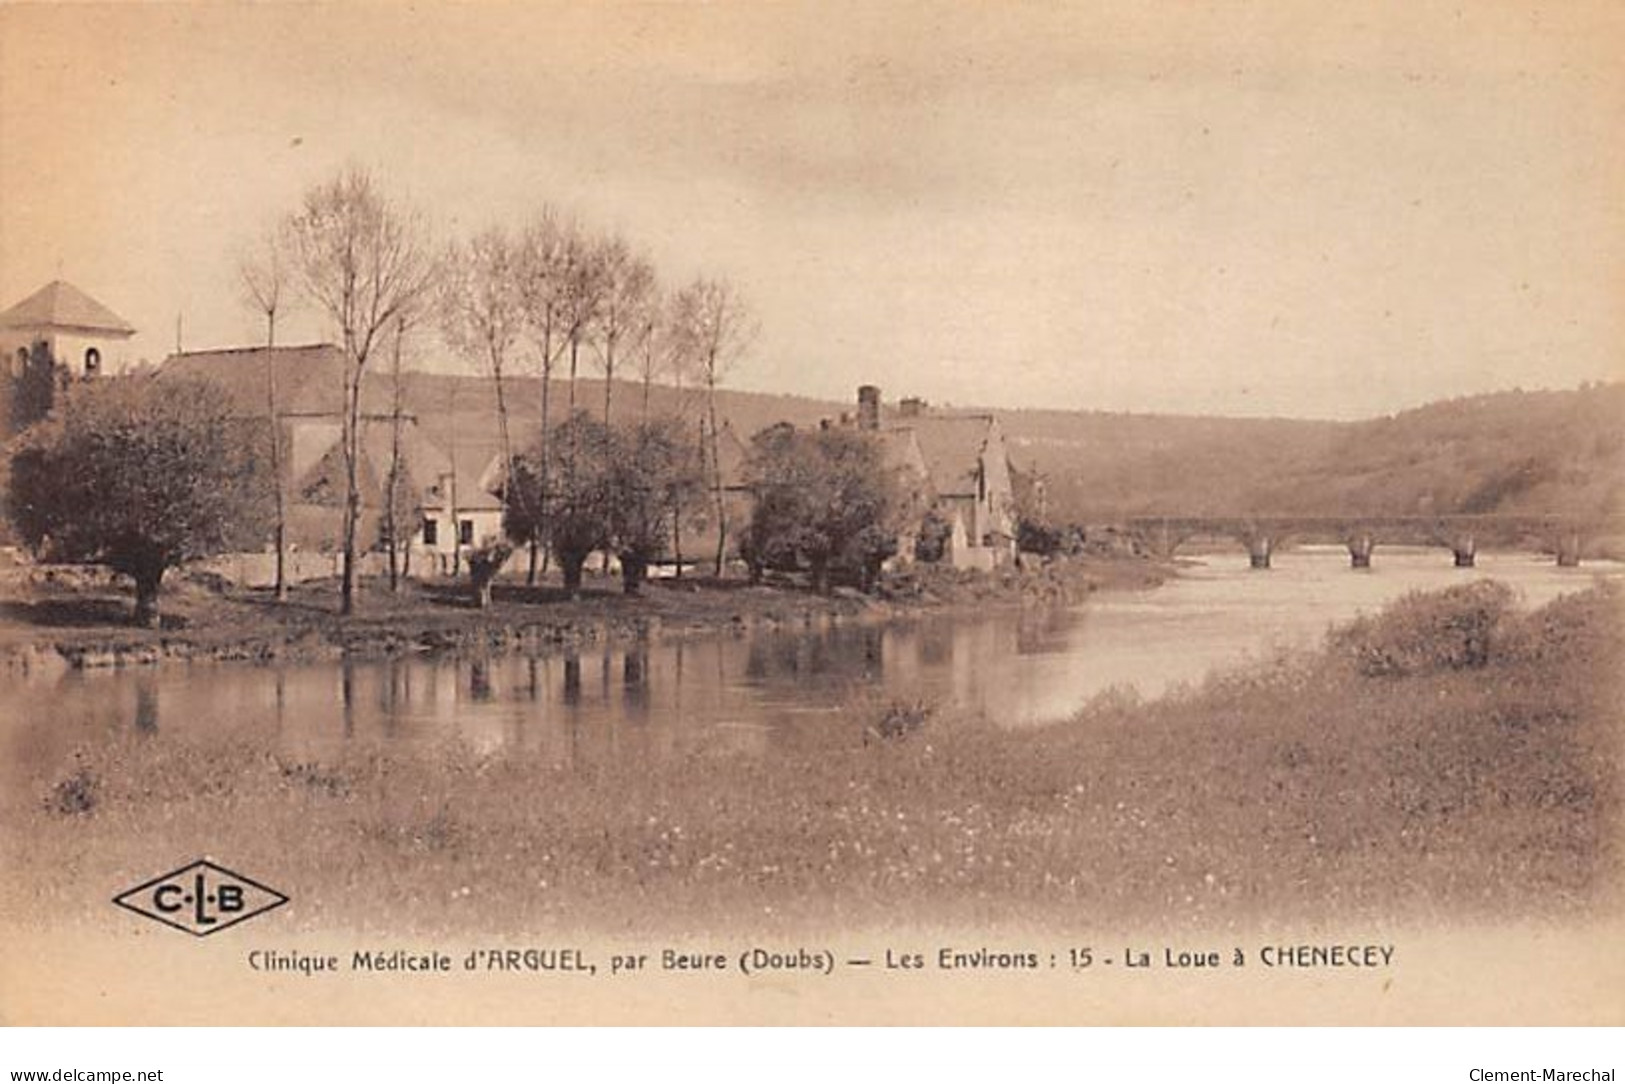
x=1454 y=629
x=1578 y=626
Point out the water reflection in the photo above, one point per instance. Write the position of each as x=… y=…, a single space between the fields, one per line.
x=146 y=704
x=653 y=699
x=479 y=680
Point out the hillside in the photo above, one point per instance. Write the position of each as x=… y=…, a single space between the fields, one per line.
x=1101 y=466
x=1508 y=452
x=1512 y=452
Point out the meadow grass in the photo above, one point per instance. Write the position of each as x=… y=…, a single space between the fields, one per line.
x=1450 y=759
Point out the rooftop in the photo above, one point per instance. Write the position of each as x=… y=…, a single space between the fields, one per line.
x=62 y=306
x=952 y=446
x=309 y=378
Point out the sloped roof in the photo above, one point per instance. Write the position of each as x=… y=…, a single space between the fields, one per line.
x=952 y=446
x=901 y=449
x=310 y=379
x=63 y=306
x=731 y=457
x=423 y=461
x=427 y=462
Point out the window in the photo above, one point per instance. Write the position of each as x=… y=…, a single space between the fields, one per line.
x=431 y=532
x=20 y=365
x=93 y=361
x=465 y=532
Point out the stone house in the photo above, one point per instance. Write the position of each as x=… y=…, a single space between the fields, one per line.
x=962 y=465
x=451 y=510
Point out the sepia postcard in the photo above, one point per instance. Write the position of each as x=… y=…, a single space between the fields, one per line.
x=1092 y=513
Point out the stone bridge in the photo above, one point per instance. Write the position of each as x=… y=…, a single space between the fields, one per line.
x=1567 y=536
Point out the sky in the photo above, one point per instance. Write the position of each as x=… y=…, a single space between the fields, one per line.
x=1279 y=208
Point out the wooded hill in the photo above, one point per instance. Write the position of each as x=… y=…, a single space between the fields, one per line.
x=1508 y=452
x=1511 y=452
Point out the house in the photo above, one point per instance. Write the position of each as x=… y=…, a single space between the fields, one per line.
x=962 y=464
x=56 y=334
x=441 y=489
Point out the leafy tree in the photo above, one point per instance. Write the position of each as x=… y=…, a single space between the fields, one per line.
x=779 y=474
x=570 y=495
x=655 y=476
x=827 y=497
x=141 y=475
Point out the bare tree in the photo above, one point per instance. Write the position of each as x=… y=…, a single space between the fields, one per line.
x=582 y=298
x=264 y=279
x=711 y=329
x=541 y=275
x=626 y=296
x=363 y=262
x=398 y=503
x=482 y=315
x=652 y=345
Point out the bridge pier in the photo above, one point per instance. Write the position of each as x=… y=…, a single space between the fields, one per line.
x=1568 y=550
x=1259 y=548
x=1465 y=547
x=1360 y=547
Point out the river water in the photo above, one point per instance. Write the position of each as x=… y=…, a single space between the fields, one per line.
x=746 y=691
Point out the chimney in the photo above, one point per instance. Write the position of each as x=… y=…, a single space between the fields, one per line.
x=869 y=407
x=912 y=407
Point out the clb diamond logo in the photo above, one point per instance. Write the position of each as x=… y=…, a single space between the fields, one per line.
x=201 y=898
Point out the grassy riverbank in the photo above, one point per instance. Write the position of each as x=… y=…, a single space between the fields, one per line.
x=1453 y=759
x=66 y=616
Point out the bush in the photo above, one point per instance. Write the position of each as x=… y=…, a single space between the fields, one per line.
x=1454 y=629
x=1573 y=627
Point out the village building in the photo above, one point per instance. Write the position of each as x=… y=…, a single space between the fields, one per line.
x=56 y=334
x=66 y=327
x=446 y=508
x=961 y=466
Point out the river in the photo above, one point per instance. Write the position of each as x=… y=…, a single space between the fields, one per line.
x=746 y=691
